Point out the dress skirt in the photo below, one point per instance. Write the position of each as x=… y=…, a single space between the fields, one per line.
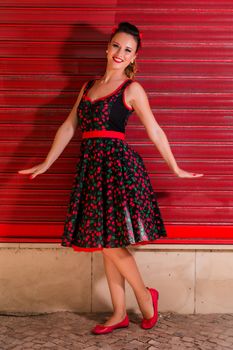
x=112 y=203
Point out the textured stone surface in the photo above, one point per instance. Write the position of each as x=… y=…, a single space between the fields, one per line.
x=71 y=330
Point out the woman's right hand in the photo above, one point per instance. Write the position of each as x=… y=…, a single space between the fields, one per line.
x=36 y=170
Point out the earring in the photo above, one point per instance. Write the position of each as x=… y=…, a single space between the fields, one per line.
x=106 y=51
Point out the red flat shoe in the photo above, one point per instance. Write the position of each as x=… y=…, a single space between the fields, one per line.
x=149 y=323
x=101 y=329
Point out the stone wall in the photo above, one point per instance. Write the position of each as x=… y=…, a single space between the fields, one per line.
x=48 y=278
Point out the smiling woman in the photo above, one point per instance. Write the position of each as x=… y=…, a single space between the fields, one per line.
x=131 y=47
x=112 y=202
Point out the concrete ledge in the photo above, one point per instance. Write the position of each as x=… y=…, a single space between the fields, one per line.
x=49 y=277
x=44 y=280
x=152 y=247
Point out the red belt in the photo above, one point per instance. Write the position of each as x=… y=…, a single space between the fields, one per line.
x=103 y=133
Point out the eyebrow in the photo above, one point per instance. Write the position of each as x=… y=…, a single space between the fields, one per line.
x=119 y=44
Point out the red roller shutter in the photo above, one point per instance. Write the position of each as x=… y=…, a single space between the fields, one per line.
x=49 y=48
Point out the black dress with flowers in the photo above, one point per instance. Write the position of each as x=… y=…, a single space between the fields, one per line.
x=112 y=202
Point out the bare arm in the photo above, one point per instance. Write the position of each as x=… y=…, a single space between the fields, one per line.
x=64 y=133
x=138 y=100
x=62 y=137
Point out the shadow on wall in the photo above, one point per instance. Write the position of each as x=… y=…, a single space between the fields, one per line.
x=50 y=76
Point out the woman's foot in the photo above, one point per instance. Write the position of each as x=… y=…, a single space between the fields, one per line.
x=103 y=329
x=148 y=323
x=115 y=318
x=146 y=305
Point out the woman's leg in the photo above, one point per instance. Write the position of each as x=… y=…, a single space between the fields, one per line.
x=116 y=283
x=127 y=267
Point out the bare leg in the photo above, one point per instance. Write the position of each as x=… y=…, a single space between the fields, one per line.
x=126 y=265
x=116 y=283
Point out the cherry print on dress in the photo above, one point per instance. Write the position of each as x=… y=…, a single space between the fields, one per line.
x=112 y=202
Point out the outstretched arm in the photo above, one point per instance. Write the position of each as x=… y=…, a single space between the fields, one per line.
x=137 y=98
x=62 y=137
x=65 y=132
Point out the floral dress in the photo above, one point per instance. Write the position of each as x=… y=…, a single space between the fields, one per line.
x=112 y=203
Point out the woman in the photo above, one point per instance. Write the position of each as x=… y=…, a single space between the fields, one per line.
x=112 y=203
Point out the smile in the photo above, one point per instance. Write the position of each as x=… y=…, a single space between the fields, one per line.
x=117 y=60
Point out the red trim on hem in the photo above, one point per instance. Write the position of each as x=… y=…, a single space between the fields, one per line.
x=103 y=133
x=88 y=249
x=159 y=241
x=76 y=248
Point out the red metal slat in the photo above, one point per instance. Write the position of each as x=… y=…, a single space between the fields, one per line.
x=190 y=150
x=96 y=15
x=165 y=83
x=201 y=234
x=171 y=32
x=153 y=165
x=190 y=215
x=159 y=100
x=94 y=67
x=134 y=133
x=169 y=198
x=177 y=117
x=179 y=4
x=166 y=49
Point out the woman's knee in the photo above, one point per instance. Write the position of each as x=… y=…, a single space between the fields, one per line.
x=107 y=251
x=115 y=251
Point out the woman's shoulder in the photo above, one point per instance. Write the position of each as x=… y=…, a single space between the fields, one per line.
x=134 y=83
x=87 y=84
x=135 y=86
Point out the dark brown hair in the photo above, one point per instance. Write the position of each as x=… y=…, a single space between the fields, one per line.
x=126 y=27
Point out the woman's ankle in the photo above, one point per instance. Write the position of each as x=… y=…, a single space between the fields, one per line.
x=120 y=314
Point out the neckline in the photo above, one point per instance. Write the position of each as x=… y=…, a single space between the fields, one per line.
x=103 y=97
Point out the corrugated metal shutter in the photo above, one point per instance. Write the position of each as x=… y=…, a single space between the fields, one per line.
x=49 y=48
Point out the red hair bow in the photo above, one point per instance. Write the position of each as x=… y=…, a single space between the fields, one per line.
x=114 y=29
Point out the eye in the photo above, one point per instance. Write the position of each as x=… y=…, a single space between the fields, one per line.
x=128 y=50
x=115 y=45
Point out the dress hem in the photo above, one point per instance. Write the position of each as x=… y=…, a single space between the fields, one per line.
x=77 y=248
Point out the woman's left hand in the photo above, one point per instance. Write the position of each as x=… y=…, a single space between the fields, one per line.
x=185 y=174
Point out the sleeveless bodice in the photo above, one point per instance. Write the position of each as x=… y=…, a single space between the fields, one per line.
x=112 y=202
x=109 y=112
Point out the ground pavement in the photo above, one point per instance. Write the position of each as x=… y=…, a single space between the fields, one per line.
x=71 y=330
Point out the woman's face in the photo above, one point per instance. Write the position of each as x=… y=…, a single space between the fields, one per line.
x=121 y=50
